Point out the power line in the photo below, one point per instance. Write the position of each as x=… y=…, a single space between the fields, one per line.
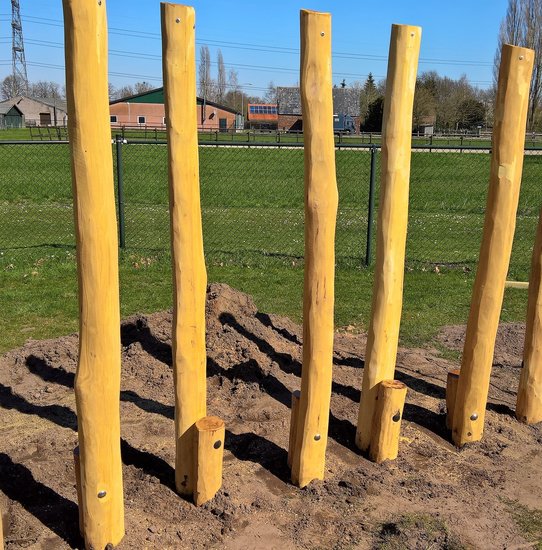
x=262 y=68
x=261 y=47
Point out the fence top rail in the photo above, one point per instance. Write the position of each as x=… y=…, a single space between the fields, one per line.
x=31 y=142
x=273 y=145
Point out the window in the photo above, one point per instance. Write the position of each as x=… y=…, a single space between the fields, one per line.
x=252 y=109
x=141 y=120
x=164 y=121
x=113 y=118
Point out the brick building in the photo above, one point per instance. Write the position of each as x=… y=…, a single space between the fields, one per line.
x=345 y=101
x=147 y=109
x=263 y=116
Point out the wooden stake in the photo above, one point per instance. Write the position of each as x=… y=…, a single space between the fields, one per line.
x=451 y=392
x=209 y=436
x=529 y=401
x=321 y=200
x=189 y=275
x=77 y=469
x=500 y=221
x=387 y=420
x=1 y=529
x=293 y=425
x=520 y=285
x=97 y=382
x=387 y=303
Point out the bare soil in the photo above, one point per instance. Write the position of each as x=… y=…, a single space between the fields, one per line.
x=432 y=496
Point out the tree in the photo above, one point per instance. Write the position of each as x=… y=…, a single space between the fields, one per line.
x=424 y=104
x=221 y=79
x=271 y=93
x=472 y=113
x=368 y=95
x=204 y=73
x=375 y=114
x=522 y=26
x=124 y=91
x=12 y=87
x=44 y=88
x=142 y=87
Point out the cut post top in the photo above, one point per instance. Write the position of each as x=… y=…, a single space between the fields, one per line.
x=305 y=13
x=393 y=384
x=209 y=424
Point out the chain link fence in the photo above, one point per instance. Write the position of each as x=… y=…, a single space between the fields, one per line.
x=252 y=202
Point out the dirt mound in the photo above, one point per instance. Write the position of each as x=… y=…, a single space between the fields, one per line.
x=432 y=496
x=508 y=346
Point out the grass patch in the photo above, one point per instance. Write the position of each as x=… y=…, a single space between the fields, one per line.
x=419 y=530
x=528 y=520
x=40 y=294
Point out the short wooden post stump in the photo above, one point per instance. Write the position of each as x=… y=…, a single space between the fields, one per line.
x=209 y=436
x=387 y=420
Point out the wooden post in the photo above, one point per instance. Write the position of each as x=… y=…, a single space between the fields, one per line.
x=387 y=420
x=97 y=381
x=1 y=529
x=529 y=401
x=77 y=469
x=387 y=303
x=189 y=275
x=208 y=453
x=500 y=221
x=451 y=392
x=293 y=425
x=321 y=200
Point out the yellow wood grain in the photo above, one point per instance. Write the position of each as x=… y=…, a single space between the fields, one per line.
x=321 y=199
x=529 y=401
x=189 y=275
x=209 y=435
x=382 y=339
x=500 y=221
x=387 y=420
x=97 y=381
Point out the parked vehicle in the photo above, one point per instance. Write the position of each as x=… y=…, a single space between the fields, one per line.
x=344 y=124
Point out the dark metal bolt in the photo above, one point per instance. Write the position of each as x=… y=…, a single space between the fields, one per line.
x=217 y=444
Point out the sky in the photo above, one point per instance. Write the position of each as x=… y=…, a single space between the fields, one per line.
x=260 y=40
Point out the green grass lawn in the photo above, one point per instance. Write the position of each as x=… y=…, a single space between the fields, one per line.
x=39 y=299
x=252 y=206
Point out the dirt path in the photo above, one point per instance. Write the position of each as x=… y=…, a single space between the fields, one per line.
x=433 y=496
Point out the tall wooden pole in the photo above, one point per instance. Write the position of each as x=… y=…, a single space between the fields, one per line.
x=529 y=402
x=189 y=275
x=321 y=200
x=97 y=382
x=383 y=334
x=500 y=221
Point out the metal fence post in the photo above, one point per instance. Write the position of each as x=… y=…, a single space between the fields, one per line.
x=120 y=190
x=370 y=214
